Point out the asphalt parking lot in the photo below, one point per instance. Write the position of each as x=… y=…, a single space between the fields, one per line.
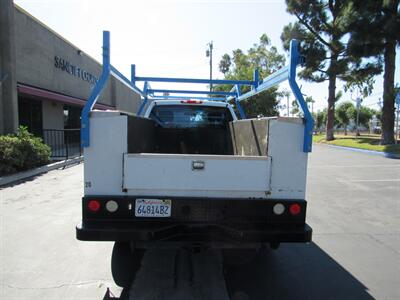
x=353 y=207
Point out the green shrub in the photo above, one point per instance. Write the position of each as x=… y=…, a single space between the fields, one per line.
x=22 y=151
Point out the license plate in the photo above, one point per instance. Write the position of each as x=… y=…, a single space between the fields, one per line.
x=153 y=208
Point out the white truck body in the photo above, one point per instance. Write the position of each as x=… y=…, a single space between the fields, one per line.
x=188 y=173
x=111 y=170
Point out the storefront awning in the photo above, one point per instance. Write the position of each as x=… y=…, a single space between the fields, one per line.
x=52 y=96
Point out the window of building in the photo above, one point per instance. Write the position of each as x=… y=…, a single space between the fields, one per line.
x=30 y=114
x=72 y=117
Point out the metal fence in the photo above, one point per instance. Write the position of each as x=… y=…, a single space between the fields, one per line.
x=64 y=143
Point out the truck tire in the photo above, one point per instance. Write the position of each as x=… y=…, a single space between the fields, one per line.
x=125 y=262
x=274 y=245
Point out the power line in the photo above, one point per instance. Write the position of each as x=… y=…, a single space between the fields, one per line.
x=375 y=103
x=374 y=94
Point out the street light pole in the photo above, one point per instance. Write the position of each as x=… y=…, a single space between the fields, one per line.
x=288 y=105
x=358 y=103
x=396 y=136
x=312 y=106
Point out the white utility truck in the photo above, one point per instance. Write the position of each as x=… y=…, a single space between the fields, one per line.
x=189 y=173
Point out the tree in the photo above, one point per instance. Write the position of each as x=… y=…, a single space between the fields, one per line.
x=225 y=63
x=322 y=32
x=364 y=117
x=295 y=111
x=378 y=115
x=286 y=94
x=240 y=66
x=320 y=119
x=344 y=113
x=374 y=27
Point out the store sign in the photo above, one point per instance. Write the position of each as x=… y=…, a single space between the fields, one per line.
x=66 y=66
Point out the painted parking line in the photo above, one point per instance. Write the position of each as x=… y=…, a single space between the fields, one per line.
x=374 y=180
x=372 y=152
x=394 y=165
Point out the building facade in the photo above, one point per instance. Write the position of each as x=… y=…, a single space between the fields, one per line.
x=45 y=80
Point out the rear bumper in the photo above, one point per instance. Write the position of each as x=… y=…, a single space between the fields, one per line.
x=194 y=233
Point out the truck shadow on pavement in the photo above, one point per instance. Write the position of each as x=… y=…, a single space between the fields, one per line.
x=110 y=296
x=294 y=271
x=297 y=271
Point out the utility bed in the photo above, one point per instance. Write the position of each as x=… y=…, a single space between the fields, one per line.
x=260 y=148
x=194 y=198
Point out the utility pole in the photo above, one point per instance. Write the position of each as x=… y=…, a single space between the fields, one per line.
x=209 y=54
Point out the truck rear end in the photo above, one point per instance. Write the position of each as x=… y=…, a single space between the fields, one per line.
x=189 y=173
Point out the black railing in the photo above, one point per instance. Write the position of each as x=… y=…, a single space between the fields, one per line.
x=64 y=143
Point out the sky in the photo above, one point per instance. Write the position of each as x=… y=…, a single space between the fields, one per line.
x=168 y=38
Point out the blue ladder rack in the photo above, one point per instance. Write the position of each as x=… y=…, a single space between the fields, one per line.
x=286 y=73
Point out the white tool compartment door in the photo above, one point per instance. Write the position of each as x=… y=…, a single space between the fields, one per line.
x=196 y=172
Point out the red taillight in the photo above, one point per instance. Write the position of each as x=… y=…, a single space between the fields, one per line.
x=192 y=101
x=295 y=209
x=93 y=205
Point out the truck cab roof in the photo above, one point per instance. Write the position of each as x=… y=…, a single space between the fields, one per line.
x=186 y=102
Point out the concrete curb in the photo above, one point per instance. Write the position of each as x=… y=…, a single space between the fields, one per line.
x=384 y=154
x=5 y=180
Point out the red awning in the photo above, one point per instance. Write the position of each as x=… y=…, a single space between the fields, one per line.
x=29 y=90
